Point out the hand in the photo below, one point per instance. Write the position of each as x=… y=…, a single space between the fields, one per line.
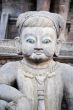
x=11 y=106
x=21 y=104
x=24 y=104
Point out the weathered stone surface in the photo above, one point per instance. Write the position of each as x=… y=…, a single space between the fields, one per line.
x=36 y=82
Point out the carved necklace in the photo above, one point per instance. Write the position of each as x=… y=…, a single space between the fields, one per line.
x=39 y=72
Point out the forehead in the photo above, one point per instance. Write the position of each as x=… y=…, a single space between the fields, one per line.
x=39 y=31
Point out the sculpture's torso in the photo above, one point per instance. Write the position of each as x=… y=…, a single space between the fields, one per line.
x=45 y=91
x=44 y=88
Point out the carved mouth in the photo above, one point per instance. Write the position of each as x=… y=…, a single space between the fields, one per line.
x=38 y=53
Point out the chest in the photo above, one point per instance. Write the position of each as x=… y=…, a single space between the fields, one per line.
x=51 y=86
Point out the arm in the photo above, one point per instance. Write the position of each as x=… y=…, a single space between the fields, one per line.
x=17 y=100
x=68 y=86
x=7 y=77
x=8 y=73
x=9 y=93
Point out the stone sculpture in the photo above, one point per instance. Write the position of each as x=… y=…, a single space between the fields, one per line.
x=40 y=81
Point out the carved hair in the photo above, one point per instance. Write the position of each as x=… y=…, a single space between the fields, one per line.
x=41 y=19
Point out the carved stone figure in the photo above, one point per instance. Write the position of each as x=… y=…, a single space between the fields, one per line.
x=37 y=82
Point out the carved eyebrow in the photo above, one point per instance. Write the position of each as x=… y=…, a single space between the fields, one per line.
x=47 y=35
x=27 y=35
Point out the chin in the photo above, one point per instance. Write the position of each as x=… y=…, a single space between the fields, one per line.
x=38 y=60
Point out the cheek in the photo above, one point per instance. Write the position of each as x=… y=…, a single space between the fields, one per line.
x=52 y=47
x=27 y=49
x=49 y=49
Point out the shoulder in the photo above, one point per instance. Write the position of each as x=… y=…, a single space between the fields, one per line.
x=8 y=72
x=66 y=73
x=65 y=68
x=9 y=66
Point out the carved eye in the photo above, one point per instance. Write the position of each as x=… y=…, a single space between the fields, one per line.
x=31 y=41
x=46 y=41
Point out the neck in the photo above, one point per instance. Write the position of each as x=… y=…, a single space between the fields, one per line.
x=41 y=65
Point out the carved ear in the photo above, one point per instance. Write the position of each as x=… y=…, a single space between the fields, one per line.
x=58 y=47
x=59 y=42
x=18 y=45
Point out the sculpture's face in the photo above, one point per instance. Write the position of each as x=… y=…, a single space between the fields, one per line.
x=38 y=43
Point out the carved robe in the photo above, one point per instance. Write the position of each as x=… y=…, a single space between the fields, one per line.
x=44 y=90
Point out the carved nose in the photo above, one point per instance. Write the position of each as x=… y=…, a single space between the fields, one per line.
x=38 y=46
